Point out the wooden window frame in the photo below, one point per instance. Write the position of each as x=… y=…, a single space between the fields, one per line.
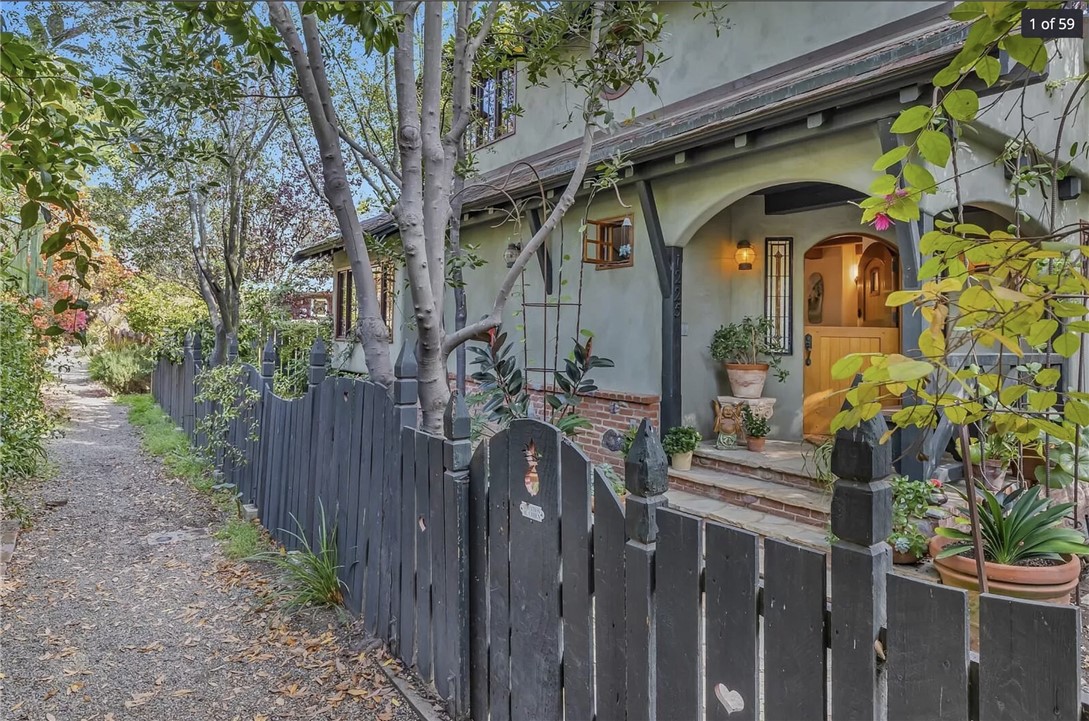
x=779 y=291
x=344 y=304
x=483 y=134
x=602 y=251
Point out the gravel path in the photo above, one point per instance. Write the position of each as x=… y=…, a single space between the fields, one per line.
x=99 y=623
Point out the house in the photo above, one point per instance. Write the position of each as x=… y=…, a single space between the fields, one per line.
x=737 y=202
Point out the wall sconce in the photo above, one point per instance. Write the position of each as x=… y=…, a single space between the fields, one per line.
x=745 y=255
x=511 y=253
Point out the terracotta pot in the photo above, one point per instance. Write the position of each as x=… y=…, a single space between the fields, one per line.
x=747 y=379
x=1030 y=461
x=681 y=461
x=756 y=445
x=904 y=559
x=1037 y=583
x=994 y=474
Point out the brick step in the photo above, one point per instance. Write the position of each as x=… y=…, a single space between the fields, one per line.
x=783 y=462
x=762 y=523
x=803 y=505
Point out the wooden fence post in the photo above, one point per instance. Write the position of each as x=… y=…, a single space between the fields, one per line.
x=195 y=362
x=646 y=479
x=404 y=387
x=232 y=349
x=315 y=482
x=861 y=559
x=458 y=451
x=268 y=363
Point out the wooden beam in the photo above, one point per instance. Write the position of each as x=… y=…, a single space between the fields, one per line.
x=668 y=264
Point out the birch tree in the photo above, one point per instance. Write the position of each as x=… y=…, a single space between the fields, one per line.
x=434 y=50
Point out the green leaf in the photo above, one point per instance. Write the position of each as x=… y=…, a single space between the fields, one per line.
x=892 y=157
x=28 y=214
x=60 y=306
x=909 y=370
x=935 y=147
x=1029 y=52
x=1067 y=344
x=1076 y=412
x=1041 y=332
x=884 y=185
x=912 y=119
x=847 y=366
x=988 y=69
x=961 y=104
x=918 y=177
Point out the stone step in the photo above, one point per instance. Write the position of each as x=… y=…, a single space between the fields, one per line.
x=761 y=523
x=785 y=462
x=791 y=502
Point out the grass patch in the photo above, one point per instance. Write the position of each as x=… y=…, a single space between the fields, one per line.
x=311 y=574
x=242 y=539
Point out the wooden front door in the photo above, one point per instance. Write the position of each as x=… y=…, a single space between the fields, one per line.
x=829 y=344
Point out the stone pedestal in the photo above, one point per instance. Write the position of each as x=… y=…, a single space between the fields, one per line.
x=728 y=417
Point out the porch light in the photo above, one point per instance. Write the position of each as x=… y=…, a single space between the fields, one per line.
x=511 y=253
x=745 y=255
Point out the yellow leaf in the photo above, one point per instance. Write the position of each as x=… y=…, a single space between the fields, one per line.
x=901 y=297
x=1076 y=412
x=847 y=366
x=909 y=370
x=1067 y=344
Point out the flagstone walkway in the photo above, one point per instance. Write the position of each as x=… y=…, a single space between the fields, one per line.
x=104 y=616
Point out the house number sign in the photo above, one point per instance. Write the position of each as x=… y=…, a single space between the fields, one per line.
x=531 y=511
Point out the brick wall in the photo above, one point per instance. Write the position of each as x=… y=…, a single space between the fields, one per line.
x=606 y=411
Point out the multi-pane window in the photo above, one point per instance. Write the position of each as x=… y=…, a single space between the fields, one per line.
x=609 y=243
x=346 y=309
x=778 y=292
x=494 y=100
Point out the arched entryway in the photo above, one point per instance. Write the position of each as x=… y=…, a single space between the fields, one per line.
x=847 y=279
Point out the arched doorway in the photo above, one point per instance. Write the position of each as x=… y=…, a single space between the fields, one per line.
x=847 y=279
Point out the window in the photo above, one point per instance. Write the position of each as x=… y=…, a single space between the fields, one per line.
x=609 y=243
x=319 y=307
x=779 y=291
x=347 y=310
x=493 y=100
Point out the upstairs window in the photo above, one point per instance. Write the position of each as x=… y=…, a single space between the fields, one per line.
x=493 y=101
x=609 y=243
x=346 y=309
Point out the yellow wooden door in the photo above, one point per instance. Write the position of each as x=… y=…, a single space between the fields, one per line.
x=829 y=344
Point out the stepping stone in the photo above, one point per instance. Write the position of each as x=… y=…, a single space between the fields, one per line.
x=185 y=534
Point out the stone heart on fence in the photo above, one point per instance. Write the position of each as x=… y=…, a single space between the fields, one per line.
x=730 y=700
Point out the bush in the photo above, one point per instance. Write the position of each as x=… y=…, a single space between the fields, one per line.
x=123 y=370
x=682 y=439
x=23 y=416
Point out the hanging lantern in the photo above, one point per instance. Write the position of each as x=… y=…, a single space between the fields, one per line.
x=511 y=253
x=745 y=255
x=625 y=236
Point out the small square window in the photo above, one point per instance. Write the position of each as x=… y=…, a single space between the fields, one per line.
x=609 y=243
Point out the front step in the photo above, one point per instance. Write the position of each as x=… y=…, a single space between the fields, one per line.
x=761 y=523
x=782 y=462
x=793 y=503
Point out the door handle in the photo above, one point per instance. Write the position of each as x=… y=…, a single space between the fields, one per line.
x=808 y=349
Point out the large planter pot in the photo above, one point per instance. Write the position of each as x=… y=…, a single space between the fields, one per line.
x=747 y=379
x=681 y=461
x=1053 y=584
x=755 y=445
x=994 y=473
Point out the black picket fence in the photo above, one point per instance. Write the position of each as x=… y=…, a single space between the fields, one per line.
x=517 y=582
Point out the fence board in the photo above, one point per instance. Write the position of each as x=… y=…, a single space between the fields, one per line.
x=794 y=651
x=536 y=684
x=372 y=457
x=677 y=573
x=499 y=573
x=440 y=641
x=478 y=582
x=391 y=580
x=338 y=501
x=409 y=530
x=577 y=564
x=609 y=540
x=354 y=529
x=422 y=486
x=1028 y=653
x=384 y=502
x=927 y=651
x=732 y=576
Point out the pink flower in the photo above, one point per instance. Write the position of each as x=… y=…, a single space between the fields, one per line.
x=882 y=222
x=935 y=483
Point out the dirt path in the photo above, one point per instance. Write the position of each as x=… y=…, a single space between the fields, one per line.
x=100 y=621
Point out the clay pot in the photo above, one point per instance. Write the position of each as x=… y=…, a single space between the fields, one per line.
x=756 y=445
x=681 y=461
x=1030 y=461
x=1053 y=584
x=747 y=379
x=994 y=473
x=904 y=559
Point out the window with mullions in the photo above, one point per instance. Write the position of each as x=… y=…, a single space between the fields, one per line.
x=609 y=243
x=493 y=100
x=346 y=309
x=779 y=291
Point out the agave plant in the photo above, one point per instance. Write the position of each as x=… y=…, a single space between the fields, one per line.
x=1017 y=527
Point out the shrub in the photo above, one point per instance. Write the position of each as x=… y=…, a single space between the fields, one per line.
x=311 y=574
x=123 y=370
x=746 y=343
x=229 y=398
x=755 y=426
x=23 y=416
x=682 y=439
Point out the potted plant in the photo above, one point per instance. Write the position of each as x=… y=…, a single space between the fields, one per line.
x=1028 y=552
x=991 y=457
x=616 y=483
x=748 y=354
x=1063 y=465
x=679 y=443
x=914 y=517
x=756 y=429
